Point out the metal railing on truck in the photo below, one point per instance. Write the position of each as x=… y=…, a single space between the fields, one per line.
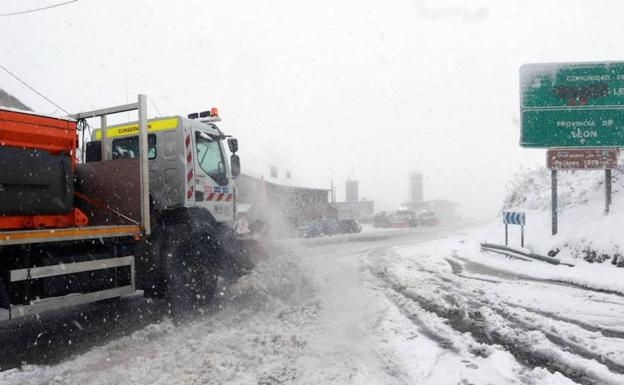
x=135 y=225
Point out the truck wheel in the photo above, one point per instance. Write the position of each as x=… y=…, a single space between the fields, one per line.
x=191 y=273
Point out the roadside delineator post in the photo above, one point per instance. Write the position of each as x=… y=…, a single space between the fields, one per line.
x=514 y=218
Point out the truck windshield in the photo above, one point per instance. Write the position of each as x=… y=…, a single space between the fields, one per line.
x=210 y=157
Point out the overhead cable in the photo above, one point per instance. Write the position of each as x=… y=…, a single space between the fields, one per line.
x=154 y=104
x=33 y=89
x=37 y=9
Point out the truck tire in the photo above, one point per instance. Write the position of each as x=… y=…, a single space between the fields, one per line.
x=191 y=272
x=150 y=274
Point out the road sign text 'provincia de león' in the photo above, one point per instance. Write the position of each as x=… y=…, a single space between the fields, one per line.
x=572 y=105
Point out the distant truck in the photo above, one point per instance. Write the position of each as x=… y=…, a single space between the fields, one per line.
x=428 y=218
x=150 y=207
x=382 y=220
x=405 y=218
x=395 y=219
x=331 y=226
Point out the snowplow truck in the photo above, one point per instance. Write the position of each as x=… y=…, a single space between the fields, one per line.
x=144 y=206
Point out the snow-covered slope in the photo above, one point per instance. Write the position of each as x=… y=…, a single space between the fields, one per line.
x=8 y=100
x=584 y=229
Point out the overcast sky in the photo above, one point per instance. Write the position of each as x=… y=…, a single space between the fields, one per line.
x=368 y=89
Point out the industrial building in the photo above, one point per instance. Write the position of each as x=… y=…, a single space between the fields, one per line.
x=284 y=206
x=353 y=207
x=444 y=210
x=352 y=191
x=416 y=191
x=363 y=211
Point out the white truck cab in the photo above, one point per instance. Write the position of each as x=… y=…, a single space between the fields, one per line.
x=187 y=161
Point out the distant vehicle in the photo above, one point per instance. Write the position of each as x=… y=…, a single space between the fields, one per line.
x=381 y=220
x=398 y=220
x=349 y=226
x=329 y=226
x=428 y=218
x=310 y=229
x=408 y=217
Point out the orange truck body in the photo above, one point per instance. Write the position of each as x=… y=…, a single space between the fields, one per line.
x=21 y=129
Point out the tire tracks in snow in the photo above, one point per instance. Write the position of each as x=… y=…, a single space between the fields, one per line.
x=492 y=324
x=563 y=342
x=510 y=312
x=458 y=270
x=579 y=349
x=584 y=325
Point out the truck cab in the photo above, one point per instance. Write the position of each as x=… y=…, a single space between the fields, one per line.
x=187 y=162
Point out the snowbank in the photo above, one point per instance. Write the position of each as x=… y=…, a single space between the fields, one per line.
x=584 y=229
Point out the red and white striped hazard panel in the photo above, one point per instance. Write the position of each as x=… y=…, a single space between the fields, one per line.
x=218 y=194
x=189 y=166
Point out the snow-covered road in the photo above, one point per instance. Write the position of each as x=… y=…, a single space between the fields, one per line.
x=388 y=307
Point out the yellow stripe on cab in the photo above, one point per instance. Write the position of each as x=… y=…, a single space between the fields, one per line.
x=133 y=129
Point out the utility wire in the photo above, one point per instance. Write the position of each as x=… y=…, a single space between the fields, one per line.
x=34 y=90
x=154 y=104
x=38 y=9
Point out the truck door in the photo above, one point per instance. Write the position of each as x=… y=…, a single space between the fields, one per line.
x=211 y=176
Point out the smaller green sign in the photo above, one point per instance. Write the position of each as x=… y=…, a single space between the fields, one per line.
x=572 y=105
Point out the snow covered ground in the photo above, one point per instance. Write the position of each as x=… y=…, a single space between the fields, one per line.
x=584 y=229
x=402 y=307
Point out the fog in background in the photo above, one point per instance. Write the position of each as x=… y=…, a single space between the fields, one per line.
x=325 y=89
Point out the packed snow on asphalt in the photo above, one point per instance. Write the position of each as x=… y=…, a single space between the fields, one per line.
x=409 y=306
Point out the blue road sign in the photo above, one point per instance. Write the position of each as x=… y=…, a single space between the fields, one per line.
x=514 y=217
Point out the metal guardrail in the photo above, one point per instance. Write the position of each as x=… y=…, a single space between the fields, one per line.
x=523 y=254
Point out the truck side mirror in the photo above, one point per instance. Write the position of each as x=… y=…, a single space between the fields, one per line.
x=235 y=165
x=233 y=145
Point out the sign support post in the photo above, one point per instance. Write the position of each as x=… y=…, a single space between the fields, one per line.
x=607 y=190
x=506 y=236
x=522 y=236
x=553 y=201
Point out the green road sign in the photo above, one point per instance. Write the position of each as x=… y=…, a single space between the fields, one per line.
x=572 y=105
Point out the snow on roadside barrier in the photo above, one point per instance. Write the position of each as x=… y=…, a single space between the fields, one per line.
x=592 y=276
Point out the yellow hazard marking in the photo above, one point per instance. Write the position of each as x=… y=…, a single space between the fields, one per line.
x=133 y=129
x=86 y=232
